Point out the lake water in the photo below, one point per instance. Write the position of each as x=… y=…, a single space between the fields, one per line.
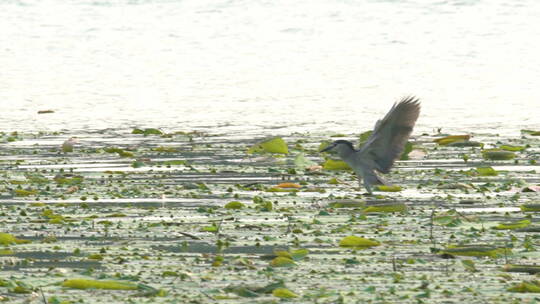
x=268 y=66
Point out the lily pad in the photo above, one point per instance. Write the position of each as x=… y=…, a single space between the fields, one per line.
x=386 y=207
x=357 y=242
x=331 y=164
x=498 y=154
x=274 y=145
x=530 y=286
x=9 y=239
x=512 y=148
x=235 y=205
x=443 y=141
x=388 y=188
x=282 y=262
x=284 y=293
x=477 y=251
x=530 y=207
x=95 y=284
x=530 y=269
x=513 y=225
x=486 y=171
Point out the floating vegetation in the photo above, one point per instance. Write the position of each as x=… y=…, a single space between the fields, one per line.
x=8 y=239
x=443 y=141
x=274 y=145
x=530 y=207
x=486 y=171
x=234 y=205
x=512 y=148
x=95 y=284
x=386 y=207
x=387 y=188
x=498 y=154
x=530 y=269
x=148 y=131
x=477 y=251
x=527 y=286
x=331 y=164
x=203 y=222
x=513 y=225
x=284 y=293
x=357 y=242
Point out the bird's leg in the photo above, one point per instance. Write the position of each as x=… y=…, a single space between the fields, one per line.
x=366 y=185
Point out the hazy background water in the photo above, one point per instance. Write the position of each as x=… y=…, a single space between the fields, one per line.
x=254 y=66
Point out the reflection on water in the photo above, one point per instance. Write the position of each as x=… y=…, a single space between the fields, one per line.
x=251 y=65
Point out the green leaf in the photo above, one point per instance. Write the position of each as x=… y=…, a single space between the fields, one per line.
x=486 y=171
x=357 y=242
x=531 y=286
x=299 y=254
x=530 y=207
x=443 y=141
x=512 y=148
x=274 y=145
x=497 y=154
x=95 y=284
x=282 y=262
x=235 y=205
x=331 y=164
x=513 y=225
x=386 y=207
x=478 y=251
x=387 y=188
x=284 y=293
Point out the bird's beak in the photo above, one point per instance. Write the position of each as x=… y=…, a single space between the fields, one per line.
x=330 y=147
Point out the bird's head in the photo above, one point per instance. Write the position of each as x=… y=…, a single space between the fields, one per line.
x=341 y=146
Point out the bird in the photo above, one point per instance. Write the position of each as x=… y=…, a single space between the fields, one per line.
x=383 y=146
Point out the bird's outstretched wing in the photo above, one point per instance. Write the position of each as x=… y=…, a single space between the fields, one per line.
x=391 y=133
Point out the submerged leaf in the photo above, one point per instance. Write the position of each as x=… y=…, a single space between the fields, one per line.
x=357 y=242
x=274 y=145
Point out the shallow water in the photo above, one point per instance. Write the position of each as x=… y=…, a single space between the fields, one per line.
x=255 y=67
